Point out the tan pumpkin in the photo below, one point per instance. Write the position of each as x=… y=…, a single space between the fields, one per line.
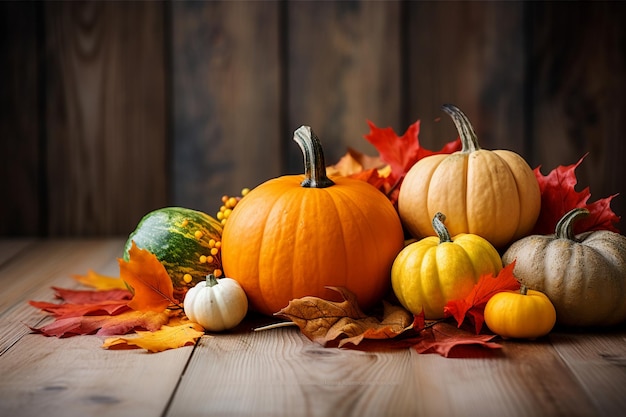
x=493 y=194
x=584 y=275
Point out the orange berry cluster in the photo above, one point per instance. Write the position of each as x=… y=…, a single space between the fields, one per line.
x=213 y=256
x=228 y=204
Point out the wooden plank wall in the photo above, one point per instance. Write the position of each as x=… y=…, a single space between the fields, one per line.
x=112 y=109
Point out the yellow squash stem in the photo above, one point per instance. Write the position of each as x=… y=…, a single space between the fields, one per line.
x=440 y=228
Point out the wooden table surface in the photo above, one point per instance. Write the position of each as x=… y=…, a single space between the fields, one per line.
x=277 y=372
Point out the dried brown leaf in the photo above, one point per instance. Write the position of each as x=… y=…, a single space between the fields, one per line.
x=325 y=321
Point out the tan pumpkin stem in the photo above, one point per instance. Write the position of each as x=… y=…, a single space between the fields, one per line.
x=469 y=140
x=440 y=228
x=314 y=165
x=565 y=226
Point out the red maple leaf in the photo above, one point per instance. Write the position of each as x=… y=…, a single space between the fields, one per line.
x=65 y=310
x=85 y=302
x=473 y=305
x=450 y=341
x=402 y=152
x=105 y=325
x=90 y=296
x=558 y=196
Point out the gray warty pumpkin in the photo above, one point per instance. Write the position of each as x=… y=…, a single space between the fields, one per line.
x=584 y=275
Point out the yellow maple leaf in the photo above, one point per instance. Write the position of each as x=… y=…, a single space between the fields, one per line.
x=100 y=282
x=168 y=337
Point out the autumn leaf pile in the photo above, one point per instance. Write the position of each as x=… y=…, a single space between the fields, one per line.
x=141 y=299
x=137 y=310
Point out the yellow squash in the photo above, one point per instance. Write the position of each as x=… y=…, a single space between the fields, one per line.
x=432 y=271
x=524 y=314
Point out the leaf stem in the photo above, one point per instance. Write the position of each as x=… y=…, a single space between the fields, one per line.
x=275 y=326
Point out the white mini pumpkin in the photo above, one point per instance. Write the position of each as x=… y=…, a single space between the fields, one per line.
x=216 y=305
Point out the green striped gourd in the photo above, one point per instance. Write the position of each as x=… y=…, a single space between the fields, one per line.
x=185 y=241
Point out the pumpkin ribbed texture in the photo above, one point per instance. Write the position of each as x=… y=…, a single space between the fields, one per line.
x=293 y=235
x=524 y=314
x=493 y=194
x=583 y=275
x=434 y=270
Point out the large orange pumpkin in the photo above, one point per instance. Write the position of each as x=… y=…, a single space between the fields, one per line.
x=493 y=194
x=294 y=235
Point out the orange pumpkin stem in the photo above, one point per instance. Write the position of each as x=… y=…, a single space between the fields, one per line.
x=314 y=165
x=440 y=228
x=469 y=140
x=565 y=226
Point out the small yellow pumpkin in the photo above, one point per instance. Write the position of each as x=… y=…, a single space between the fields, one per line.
x=216 y=305
x=430 y=272
x=494 y=194
x=523 y=314
x=584 y=275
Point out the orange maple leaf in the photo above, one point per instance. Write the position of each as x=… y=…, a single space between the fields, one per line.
x=152 y=287
x=354 y=162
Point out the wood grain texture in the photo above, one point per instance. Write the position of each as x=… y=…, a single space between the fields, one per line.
x=579 y=92
x=105 y=115
x=20 y=129
x=280 y=373
x=470 y=54
x=9 y=248
x=515 y=383
x=596 y=360
x=76 y=377
x=344 y=68
x=226 y=78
